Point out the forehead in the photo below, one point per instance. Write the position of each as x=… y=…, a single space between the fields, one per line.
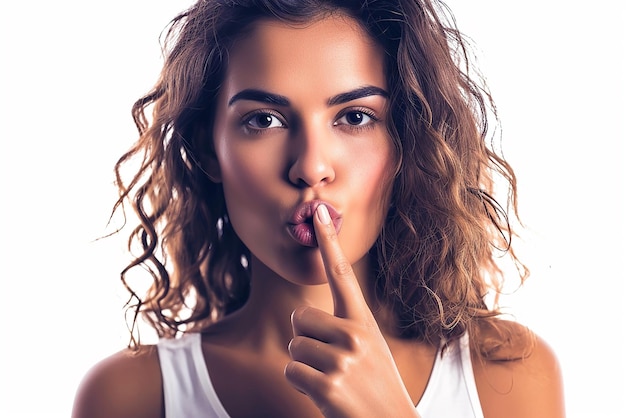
x=328 y=55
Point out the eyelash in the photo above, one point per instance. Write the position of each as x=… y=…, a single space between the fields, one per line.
x=247 y=119
x=259 y=131
x=358 y=128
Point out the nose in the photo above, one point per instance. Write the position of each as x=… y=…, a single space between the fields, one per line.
x=312 y=163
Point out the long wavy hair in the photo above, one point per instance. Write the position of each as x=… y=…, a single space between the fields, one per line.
x=436 y=254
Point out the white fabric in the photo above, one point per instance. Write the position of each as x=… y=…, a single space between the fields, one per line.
x=189 y=393
x=451 y=390
x=187 y=388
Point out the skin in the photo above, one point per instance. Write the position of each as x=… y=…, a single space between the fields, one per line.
x=310 y=338
x=311 y=150
x=317 y=144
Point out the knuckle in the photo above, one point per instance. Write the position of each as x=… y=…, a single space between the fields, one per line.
x=329 y=234
x=329 y=387
x=342 y=268
x=342 y=363
x=343 y=336
x=354 y=342
x=351 y=339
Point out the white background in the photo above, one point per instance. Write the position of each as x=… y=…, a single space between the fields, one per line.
x=70 y=71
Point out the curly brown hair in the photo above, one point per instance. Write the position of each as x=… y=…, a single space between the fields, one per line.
x=436 y=254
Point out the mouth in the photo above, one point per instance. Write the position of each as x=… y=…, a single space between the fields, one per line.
x=300 y=225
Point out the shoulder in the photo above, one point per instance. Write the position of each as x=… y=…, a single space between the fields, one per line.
x=520 y=377
x=126 y=384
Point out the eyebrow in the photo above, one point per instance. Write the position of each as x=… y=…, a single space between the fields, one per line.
x=259 y=96
x=276 y=99
x=355 y=94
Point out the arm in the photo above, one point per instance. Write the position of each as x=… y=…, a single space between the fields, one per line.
x=125 y=385
x=531 y=387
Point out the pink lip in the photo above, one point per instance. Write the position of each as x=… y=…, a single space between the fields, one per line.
x=300 y=225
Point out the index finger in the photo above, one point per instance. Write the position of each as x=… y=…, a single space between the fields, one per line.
x=348 y=298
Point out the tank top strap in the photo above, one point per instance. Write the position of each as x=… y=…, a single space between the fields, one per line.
x=451 y=389
x=187 y=387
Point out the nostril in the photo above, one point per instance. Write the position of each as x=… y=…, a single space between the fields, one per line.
x=301 y=184
x=311 y=161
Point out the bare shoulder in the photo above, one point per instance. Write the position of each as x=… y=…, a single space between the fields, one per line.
x=521 y=378
x=126 y=384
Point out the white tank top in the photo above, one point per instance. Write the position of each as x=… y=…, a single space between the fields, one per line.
x=189 y=393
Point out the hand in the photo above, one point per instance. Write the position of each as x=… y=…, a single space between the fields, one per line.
x=342 y=361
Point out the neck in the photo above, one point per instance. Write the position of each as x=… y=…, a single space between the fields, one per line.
x=266 y=316
x=271 y=301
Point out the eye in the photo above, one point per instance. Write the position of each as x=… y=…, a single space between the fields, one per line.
x=356 y=118
x=263 y=120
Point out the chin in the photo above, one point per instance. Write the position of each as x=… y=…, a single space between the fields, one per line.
x=305 y=277
x=304 y=271
x=312 y=281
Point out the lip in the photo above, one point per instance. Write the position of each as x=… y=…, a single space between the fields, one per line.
x=300 y=224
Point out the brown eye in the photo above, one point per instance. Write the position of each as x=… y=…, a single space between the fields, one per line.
x=264 y=121
x=356 y=118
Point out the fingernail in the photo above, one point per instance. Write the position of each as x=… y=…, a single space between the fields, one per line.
x=323 y=215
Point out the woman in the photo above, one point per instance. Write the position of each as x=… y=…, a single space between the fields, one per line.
x=315 y=197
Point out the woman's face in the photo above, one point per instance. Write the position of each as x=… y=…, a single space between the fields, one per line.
x=301 y=120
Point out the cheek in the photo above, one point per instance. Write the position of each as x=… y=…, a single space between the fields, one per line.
x=244 y=177
x=375 y=177
x=245 y=163
x=251 y=184
x=372 y=179
x=246 y=205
